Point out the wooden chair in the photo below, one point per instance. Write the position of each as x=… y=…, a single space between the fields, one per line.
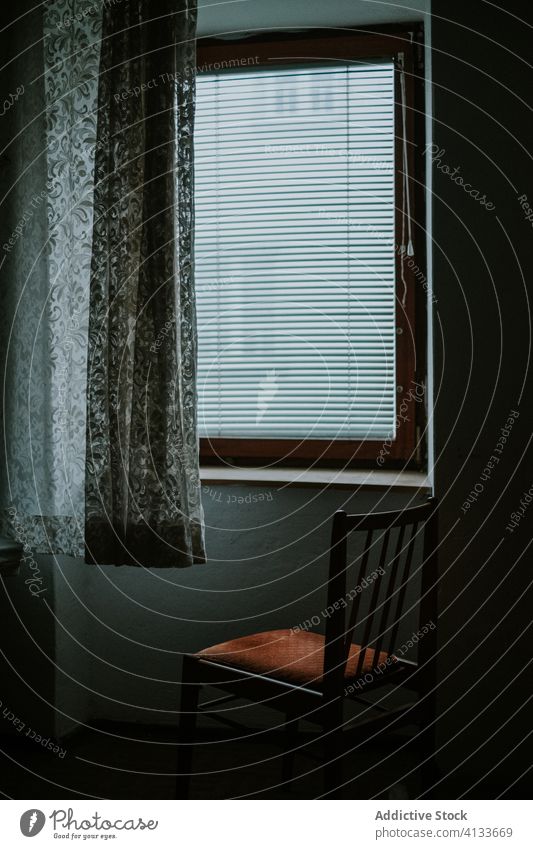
x=306 y=674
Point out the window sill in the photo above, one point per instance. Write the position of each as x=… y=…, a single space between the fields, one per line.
x=348 y=479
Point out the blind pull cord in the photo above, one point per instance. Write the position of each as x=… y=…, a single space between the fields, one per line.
x=406 y=199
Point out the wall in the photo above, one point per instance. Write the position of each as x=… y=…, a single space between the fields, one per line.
x=244 y=15
x=73 y=618
x=27 y=654
x=482 y=271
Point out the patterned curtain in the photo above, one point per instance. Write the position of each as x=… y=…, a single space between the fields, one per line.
x=98 y=325
x=142 y=477
x=46 y=237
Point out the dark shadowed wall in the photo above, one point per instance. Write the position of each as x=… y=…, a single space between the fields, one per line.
x=482 y=274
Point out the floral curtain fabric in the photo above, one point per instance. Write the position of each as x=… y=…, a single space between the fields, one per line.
x=51 y=135
x=99 y=346
x=142 y=478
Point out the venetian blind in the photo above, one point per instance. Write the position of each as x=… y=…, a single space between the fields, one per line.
x=295 y=259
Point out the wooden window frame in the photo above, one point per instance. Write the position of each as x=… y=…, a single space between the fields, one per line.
x=408 y=450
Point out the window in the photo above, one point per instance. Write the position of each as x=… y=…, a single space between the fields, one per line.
x=302 y=289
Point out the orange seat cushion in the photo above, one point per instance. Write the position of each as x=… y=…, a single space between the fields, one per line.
x=296 y=657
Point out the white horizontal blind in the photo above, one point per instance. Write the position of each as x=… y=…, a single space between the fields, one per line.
x=295 y=265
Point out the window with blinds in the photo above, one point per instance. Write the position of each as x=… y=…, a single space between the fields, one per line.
x=295 y=256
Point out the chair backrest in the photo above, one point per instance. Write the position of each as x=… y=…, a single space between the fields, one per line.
x=388 y=541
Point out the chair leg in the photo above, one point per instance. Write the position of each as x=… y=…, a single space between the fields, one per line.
x=190 y=691
x=332 y=727
x=289 y=742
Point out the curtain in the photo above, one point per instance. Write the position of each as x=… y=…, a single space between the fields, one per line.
x=46 y=245
x=142 y=477
x=97 y=320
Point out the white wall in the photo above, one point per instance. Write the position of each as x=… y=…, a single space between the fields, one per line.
x=216 y=18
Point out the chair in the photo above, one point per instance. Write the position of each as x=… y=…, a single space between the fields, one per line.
x=306 y=674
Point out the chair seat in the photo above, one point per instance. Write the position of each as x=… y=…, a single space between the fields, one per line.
x=296 y=657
